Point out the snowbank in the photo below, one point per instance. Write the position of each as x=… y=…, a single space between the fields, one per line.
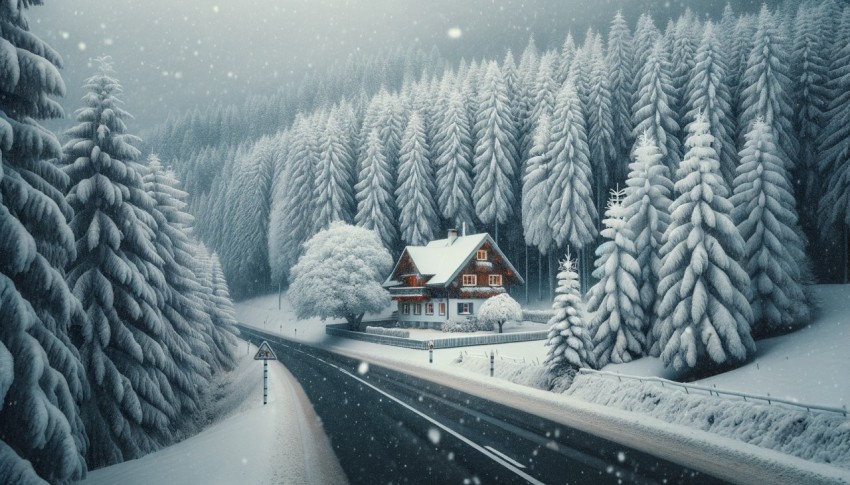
x=281 y=442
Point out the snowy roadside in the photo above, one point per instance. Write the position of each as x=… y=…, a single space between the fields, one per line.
x=732 y=459
x=281 y=442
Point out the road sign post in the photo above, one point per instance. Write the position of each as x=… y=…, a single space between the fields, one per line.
x=265 y=353
x=491 y=363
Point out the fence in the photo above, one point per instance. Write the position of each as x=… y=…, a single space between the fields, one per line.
x=465 y=354
x=339 y=330
x=713 y=391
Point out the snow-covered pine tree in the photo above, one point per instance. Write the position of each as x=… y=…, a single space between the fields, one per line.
x=774 y=252
x=708 y=93
x=123 y=342
x=180 y=307
x=744 y=37
x=527 y=70
x=215 y=298
x=600 y=124
x=646 y=210
x=333 y=194
x=652 y=111
x=415 y=195
x=725 y=33
x=495 y=159
x=811 y=98
x=41 y=377
x=375 y=195
x=617 y=326
x=569 y=340
x=545 y=88
x=565 y=59
x=645 y=38
x=535 y=190
x=453 y=158
x=704 y=315
x=683 y=60
x=572 y=215
x=766 y=87
x=620 y=68
x=834 y=162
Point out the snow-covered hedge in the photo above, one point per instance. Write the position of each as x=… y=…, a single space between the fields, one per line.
x=525 y=373
x=816 y=436
x=468 y=325
x=537 y=316
x=392 y=332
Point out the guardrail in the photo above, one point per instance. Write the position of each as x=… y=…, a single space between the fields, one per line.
x=339 y=330
x=713 y=391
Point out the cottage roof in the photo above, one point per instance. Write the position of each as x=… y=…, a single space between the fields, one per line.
x=442 y=260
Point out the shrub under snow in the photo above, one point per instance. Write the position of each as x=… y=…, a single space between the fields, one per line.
x=390 y=332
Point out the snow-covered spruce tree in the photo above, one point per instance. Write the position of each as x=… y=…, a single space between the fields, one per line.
x=572 y=213
x=132 y=408
x=617 y=327
x=215 y=297
x=340 y=274
x=181 y=308
x=545 y=88
x=774 y=252
x=333 y=195
x=834 y=162
x=652 y=110
x=645 y=38
x=375 y=197
x=766 y=87
x=535 y=190
x=704 y=314
x=744 y=37
x=683 y=60
x=646 y=210
x=527 y=77
x=600 y=125
x=569 y=340
x=708 y=93
x=453 y=158
x=498 y=310
x=415 y=195
x=620 y=68
x=495 y=159
x=811 y=98
x=291 y=211
x=565 y=59
x=41 y=378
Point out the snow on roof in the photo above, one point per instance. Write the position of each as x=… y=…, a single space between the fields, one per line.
x=443 y=260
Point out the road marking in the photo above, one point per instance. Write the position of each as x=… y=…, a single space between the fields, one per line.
x=493 y=456
x=505 y=457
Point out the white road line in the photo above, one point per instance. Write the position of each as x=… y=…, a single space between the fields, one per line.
x=505 y=457
x=454 y=433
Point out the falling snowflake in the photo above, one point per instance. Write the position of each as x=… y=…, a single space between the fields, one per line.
x=454 y=33
x=363 y=368
x=434 y=436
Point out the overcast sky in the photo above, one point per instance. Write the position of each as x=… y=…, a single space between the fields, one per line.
x=172 y=55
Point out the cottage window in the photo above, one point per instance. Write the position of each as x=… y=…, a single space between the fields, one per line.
x=442 y=308
x=464 y=308
x=405 y=309
x=495 y=280
x=481 y=255
x=417 y=309
x=470 y=280
x=429 y=308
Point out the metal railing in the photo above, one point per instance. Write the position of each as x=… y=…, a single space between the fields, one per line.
x=713 y=391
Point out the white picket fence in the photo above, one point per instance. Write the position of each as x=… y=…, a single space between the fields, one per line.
x=714 y=391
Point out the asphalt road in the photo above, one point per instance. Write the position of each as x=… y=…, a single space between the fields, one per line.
x=389 y=427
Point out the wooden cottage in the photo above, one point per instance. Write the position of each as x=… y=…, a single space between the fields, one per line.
x=449 y=279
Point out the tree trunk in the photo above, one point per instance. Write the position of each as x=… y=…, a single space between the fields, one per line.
x=526 y=274
x=539 y=276
x=354 y=321
x=496 y=223
x=279 y=293
x=500 y=323
x=551 y=288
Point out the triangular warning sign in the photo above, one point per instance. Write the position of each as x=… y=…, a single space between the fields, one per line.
x=265 y=352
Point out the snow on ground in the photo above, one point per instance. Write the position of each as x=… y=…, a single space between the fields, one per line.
x=509 y=327
x=281 y=442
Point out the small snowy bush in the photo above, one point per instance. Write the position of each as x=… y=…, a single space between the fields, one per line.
x=537 y=316
x=390 y=332
x=469 y=325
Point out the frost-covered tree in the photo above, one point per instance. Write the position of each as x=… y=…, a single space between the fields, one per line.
x=498 y=310
x=617 y=327
x=375 y=197
x=600 y=124
x=645 y=38
x=453 y=158
x=545 y=87
x=708 y=93
x=811 y=98
x=118 y=278
x=41 y=377
x=535 y=190
x=646 y=210
x=774 y=252
x=572 y=215
x=415 y=194
x=565 y=59
x=683 y=60
x=333 y=194
x=742 y=45
x=766 y=86
x=621 y=69
x=340 y=275
x=495 y=159
x=704 y=315
x=527 y=77
x=215 y=297
x=569 y=340
x=653 y=112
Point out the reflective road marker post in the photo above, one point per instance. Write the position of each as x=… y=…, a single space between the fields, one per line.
x=265 y=354
x=491 y=363
x=430 y=351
